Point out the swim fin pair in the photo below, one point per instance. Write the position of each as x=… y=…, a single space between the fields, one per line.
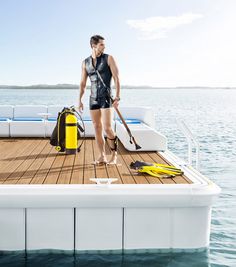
x=156 y=169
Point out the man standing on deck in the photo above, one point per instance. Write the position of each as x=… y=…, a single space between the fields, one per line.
x=100 y=105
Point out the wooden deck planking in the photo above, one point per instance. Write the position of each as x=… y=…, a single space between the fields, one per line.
x=78 y=168
x=9 y=147
x=9 y=153
x=14 y=161
x=66 y=170
x=44 y=164
x=125 y=172
x=139 y=179
x=47 y=165
x=21 y=172
x=30 y=171
x=35 y=161
x=53 y=173
x=89 y=169
x=35 y=167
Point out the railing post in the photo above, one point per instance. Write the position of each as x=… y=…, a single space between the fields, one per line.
x=190 y=139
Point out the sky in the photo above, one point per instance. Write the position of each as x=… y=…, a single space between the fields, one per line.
x=161 y=43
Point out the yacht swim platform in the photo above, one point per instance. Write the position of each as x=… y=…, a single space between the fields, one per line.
x=47 y=200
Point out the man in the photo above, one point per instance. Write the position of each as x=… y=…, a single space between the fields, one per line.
x=100 y=104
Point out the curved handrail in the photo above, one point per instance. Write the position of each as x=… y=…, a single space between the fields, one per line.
x=190 y=139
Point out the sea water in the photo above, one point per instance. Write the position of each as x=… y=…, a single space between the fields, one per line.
x=211 y=116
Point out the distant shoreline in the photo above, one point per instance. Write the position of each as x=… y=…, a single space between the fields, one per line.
x=75 y=86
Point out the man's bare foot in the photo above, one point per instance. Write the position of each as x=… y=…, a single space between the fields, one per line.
x=100 y=160
x=113 y=159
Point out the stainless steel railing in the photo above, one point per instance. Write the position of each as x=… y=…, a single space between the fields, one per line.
x=191 y=139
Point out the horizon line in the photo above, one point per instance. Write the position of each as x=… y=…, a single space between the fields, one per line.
x=63 y=85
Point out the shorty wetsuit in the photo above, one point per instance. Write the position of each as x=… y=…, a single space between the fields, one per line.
x=99 y=97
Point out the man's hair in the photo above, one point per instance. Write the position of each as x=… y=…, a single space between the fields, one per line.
x=95 y=39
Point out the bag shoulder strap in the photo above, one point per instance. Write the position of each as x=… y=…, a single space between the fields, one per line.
x=108 y=88
x=100 y=77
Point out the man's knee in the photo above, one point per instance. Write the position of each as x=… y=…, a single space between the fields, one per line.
x=108 y=130
x=97 y=126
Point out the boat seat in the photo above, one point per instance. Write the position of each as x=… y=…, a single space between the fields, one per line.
x=6 y=114
x=27 y=121
x=141 y=122
x=148 y=138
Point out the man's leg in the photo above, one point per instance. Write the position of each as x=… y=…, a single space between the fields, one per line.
x=96 y=116
x=107 y=115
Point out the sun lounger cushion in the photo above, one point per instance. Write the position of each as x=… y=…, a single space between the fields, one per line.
x=29 y=111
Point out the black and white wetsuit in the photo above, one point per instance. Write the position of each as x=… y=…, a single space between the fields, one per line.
x=99 y=97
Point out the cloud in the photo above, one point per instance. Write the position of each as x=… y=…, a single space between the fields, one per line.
x=157 y=27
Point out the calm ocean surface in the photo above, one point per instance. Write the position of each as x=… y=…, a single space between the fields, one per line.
x=211 y=115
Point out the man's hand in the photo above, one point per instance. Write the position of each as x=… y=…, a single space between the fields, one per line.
x=81 y=107
x=115 y=103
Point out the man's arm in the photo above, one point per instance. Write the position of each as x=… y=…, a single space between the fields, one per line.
x=115 y=74
x=83 y=81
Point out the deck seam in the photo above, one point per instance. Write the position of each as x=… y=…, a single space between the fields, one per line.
x=24 y=150
x=13 y=152
x=64 y=156
x=41 y=162
x=144 y=161
x=33 y=160
x=142 y=173
x=119 y=150
x=50 y=165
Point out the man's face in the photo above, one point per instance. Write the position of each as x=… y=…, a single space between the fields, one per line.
x=100 y=46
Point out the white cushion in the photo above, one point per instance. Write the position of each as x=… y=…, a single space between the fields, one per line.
x=148 y=138
x=4 y=128
x=49 y=127
x=53 y=110
x=27 y=128
x=6 y=111
x=145 y=114
x=29 y=111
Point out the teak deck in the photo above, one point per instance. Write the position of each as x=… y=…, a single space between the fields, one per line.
x=35 y=161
